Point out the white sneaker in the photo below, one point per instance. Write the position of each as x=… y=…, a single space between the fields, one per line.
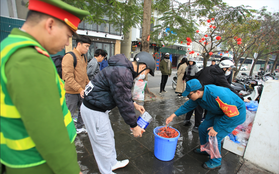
x=81 y=130
x=120 y=164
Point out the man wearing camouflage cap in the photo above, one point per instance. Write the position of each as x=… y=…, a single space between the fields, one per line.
x=37 y=130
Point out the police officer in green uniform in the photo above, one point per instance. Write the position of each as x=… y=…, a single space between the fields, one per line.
x=37 y=131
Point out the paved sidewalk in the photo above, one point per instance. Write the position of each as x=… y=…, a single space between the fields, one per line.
x=140 y=151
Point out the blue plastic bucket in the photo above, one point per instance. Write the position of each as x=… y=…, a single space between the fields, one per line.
x=164 y=148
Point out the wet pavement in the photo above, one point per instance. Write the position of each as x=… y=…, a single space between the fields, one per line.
x=140 y=151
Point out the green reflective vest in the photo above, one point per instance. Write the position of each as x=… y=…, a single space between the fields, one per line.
x=17 y=148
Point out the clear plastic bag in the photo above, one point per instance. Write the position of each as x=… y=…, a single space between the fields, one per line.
x=138 y=92
x=211 y=147
x=250 y=116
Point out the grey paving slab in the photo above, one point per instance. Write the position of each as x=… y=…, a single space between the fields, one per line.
x=140 y=151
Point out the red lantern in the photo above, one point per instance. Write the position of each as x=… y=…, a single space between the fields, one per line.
x=239 y=39
x=188 y=43
x=198 y=54
x=213 y=27
x=136 y=46
x=208 y=21
x=197 y=31
x=163 y=45
x=210 y=53
x=218 y=37
x=212 y=19
x=200 y=40
x=188 y=48
x=188 y=39
x=227 y=51
x=210 y=26
x=221 y=54
x=239 y=42
x=139 y=43
x=181 y=42
x=203 y=39
x=235 y=37
x=205 y=43
x=206 y=35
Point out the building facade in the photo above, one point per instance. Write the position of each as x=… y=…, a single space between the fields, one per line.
x=104 y=36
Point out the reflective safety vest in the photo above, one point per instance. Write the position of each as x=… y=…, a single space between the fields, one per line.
x=17 y=148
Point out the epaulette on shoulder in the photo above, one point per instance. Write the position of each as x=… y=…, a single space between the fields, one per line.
x=41 y=51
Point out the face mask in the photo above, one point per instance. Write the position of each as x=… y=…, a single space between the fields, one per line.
x=141 y=76
x=227 y=73
x=135 y=74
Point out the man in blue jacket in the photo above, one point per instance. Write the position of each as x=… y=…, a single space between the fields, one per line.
x=225 y=111
x=109 y=88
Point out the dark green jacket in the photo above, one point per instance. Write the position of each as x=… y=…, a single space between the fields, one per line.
x=164 y=67
x=33 y=90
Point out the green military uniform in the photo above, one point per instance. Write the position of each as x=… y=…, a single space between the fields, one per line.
x=31 y=78
x=37 y=131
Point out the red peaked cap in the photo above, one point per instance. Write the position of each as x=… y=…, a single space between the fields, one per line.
x=71 y=20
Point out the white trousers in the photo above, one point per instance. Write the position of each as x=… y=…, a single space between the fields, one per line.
x=101 y=138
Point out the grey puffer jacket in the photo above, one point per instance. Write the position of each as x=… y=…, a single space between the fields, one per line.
x=93 y=68
x=111 y=87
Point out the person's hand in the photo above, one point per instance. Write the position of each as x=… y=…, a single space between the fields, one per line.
x=137 y=131
x=170 y=118
x=139 y=108
x=212 y=132
x=81 y=93
x=80 y=172
x=246 y=100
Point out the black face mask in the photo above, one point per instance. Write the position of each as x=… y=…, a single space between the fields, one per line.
x=135 y=74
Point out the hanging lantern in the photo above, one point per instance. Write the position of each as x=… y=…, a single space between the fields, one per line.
x=221 y=54
x=139 y=43
x=210 y=26
x=163 y=45
x=235 y=37
x=239 y=42
x=188 y=48
x=218 y=37
x=239 y=39
x=203 y=39
x=208 y=21
x=227 y=51
x=206 y=35
x=212 y=19
x=210 y=53
x=197 y=31
x=188 y=43
x=214 y=27
x=136 y=46
x=181 y=42
x=204 y=43
x=198 y=54
x=188 y=39
x=200 y=40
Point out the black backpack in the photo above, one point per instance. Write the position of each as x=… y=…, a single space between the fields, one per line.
x=58 y=60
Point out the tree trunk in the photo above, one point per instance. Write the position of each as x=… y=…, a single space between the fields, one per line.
x=205 y=59
x=255 y=61
x=146 y=24
x=126 y=44
x=275 y=62
x=266 y=62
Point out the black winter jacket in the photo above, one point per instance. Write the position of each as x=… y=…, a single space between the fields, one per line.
x=112 y=87
x=214 y=75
